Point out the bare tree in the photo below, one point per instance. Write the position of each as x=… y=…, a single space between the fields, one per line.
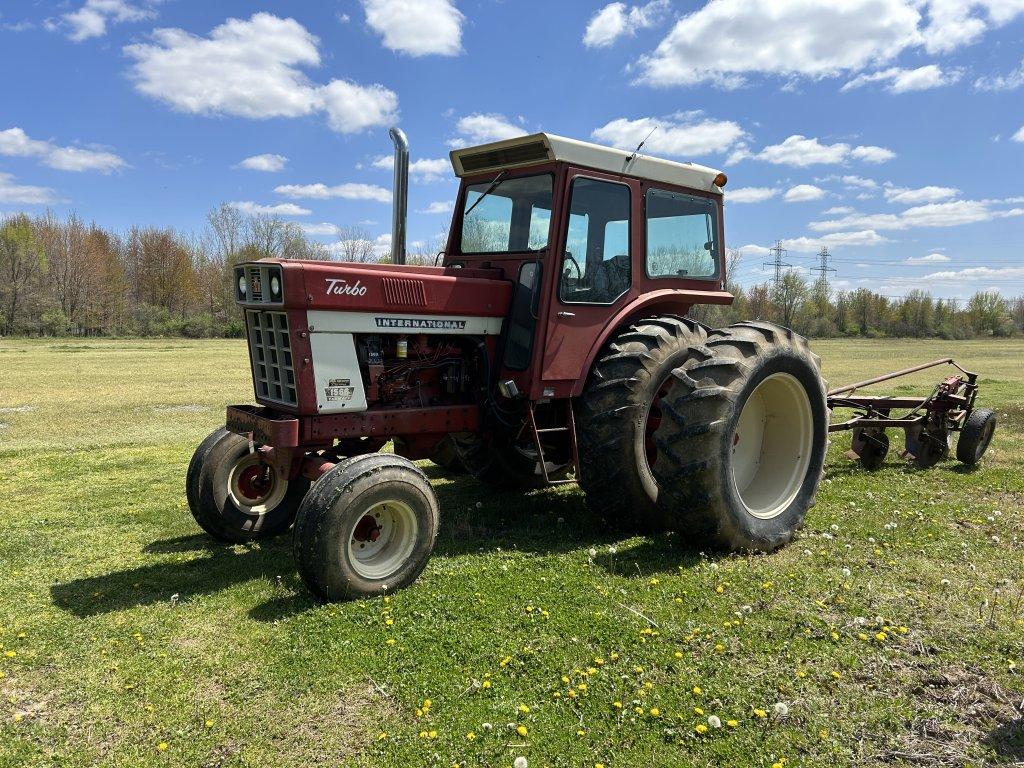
x=355 y=245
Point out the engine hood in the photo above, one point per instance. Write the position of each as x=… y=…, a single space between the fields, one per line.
x=348 y=287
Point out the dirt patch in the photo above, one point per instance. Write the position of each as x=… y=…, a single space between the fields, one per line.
x=17 y=409
x=972 y=715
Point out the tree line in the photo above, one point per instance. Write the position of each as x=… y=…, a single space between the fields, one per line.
x=63 y=277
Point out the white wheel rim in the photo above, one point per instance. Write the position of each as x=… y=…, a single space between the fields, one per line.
x=771 y=445
x=262 y=502
x=382 y=539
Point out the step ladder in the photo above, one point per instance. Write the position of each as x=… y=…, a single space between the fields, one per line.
x=569 y=427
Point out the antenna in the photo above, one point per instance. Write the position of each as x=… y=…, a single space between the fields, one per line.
x=823 y=269
x=638 y=146
x=778 y=253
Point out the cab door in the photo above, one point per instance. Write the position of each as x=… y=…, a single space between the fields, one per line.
x=594 y=257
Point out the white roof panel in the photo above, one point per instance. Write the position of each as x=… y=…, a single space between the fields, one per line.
x=546 y=147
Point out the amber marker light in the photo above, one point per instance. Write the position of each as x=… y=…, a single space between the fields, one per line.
x=721 y=180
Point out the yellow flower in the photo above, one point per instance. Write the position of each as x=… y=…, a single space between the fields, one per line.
x=10 y=654
x=582 y=686
x=598 y=765
x=655 y=712
x=760 y=713
x=470 y=736
x=390 y=641
x=719 y=647
x=427 y=703
x=678 y=654
x=389 y=622
x=652 y=582
x=209 y=723
x=701 y=728
x=881 y=637
x=571 y=693
x=698 y=711
x=862 y=635
x=522 y=730
x=162 y=746
x=556 y=695
x=697 y=690
x=617 y=704
x=732 y=723
x=565 y=679
x=485 y=684
x=599 y=662
x=432 y=734
x=381 y=736
x=613 y=655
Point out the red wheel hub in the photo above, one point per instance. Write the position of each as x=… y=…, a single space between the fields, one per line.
x=255 y=481
x=652 y=424
x=367 y=529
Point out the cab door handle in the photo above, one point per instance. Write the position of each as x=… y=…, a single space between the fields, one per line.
x=567 y=314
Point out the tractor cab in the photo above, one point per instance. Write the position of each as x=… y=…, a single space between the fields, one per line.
x=591 y=236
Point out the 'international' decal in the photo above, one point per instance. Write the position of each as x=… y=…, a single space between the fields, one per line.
x=420 y=322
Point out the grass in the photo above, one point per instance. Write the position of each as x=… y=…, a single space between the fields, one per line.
x=128 y=638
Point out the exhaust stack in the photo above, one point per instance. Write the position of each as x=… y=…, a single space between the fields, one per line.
x=400 y=195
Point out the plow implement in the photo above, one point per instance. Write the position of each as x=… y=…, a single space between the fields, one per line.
x=928 y=423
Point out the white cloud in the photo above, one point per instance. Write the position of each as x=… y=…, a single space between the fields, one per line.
x=1019 y=135
x=858 y=182
x=417 y=27
x=861 y=238
x=484 y=128
x=15 y=142
x=681 y=135
x=802 y=193
x=931 y=258
x=281 y=209
x=930 y=194
x=441 y=206
x=92 y=18
x=1008 y=82
x=266 y=162
x=423 y=169
x=251 y=68
x=617 y=19
x=750 y=194
x=348 y=191
x=905 y=80
x=726 y=41
x=838 y=210
x=320 y=230
x=756 y=250
x=22 y=194
x=802 y=151
x=948 y=214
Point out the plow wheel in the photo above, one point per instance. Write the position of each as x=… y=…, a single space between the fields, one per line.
x=975 y=436
x=620 y=412
x=366 y=528
x=926 y=446
x=742 y=441
x=870 y=446
x=234 y=495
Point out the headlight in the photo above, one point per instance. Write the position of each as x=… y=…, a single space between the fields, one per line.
x=275 y=286
x=241 y=285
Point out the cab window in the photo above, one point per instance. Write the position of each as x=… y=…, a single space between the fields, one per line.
x=682 y=235
x=596 y=263
x=507 y=215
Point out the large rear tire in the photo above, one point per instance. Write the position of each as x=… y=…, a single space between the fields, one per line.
x=619 y=412
x=366 y=528
x=234 y=496
x=742 y=446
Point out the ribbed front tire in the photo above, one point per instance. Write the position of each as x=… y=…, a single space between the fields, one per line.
x=741 y=447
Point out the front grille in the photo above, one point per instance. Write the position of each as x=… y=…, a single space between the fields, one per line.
x=271 y=349
x=255 y=284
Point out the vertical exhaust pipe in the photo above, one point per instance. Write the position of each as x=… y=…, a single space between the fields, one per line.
x=400 y=195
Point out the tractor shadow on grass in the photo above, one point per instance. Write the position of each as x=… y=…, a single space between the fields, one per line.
x=153 y=584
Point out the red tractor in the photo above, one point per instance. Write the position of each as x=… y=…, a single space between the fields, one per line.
x=550 y=346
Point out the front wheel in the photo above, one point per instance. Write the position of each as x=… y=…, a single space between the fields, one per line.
x=975 y=436
x=234 y=495
x=742 y=441
x=366 y=528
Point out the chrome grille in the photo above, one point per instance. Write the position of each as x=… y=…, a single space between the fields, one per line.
x=271 y=348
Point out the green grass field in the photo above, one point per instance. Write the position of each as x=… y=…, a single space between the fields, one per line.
x=888 y=633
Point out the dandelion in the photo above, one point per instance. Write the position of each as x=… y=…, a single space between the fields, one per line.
x=381 y=736
x=592 y=552
x=781 y=709
x=760 y=713
x=846 y=573
x=714 y=721
x=613 y=550
x=522 y=730
x=519 y=762
x=881 y=637
x=617 y=704
x=162 y=746
x=485 y=684
x=732 y=723
x=209 y=723
x=524 y=709
x=701 y=728
x=470 y=736
x=486 y=727
x=655 y=712
x=944 y=582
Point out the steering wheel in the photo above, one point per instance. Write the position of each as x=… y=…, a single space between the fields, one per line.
x=576 y=265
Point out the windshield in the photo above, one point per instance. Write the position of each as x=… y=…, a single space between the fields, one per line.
x=512 y=215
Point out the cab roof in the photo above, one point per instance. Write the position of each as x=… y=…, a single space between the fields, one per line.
x=547 y=147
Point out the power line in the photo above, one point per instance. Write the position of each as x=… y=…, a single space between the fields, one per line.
x=778 y=253
x=823 y=269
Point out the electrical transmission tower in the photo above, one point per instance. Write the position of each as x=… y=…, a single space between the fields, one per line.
x=778 y=254
x=823 y=269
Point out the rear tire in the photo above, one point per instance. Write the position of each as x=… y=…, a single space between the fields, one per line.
x=742 y=446
x=975 y=436
x=620 y=400
x=366 y=528
x=233 y=496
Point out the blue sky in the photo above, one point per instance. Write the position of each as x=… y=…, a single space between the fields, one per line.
x=890 y=131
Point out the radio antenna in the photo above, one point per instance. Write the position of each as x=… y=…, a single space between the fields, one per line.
x=640 y=145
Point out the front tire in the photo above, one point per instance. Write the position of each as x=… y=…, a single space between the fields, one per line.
x=742 y=445
x=234 y=496
x=366 y=528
